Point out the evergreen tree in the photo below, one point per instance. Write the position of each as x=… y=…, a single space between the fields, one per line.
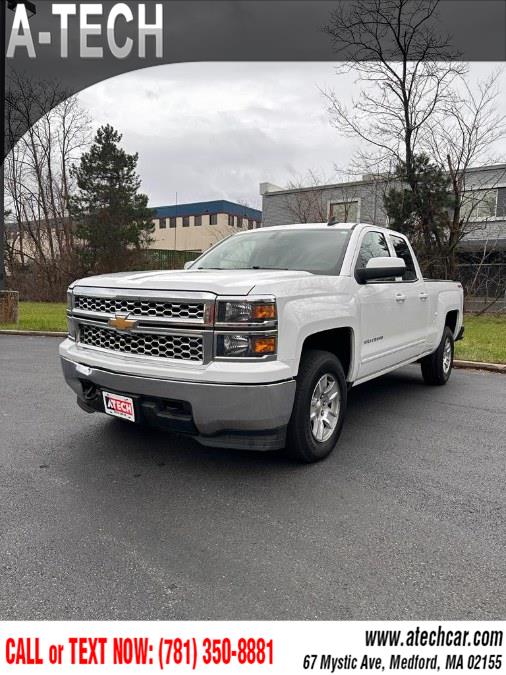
x=114 y=223
x=420 y=209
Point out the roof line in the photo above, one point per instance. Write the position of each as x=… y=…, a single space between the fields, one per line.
x=378 y=179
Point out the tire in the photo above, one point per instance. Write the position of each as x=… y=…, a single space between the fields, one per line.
x=319 y=407
x=437 y=367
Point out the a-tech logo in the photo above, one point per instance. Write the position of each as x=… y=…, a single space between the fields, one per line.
x=97 y=28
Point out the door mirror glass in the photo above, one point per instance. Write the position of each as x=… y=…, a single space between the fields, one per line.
x=381 y=268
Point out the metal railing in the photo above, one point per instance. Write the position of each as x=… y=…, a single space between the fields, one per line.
x=484 y=281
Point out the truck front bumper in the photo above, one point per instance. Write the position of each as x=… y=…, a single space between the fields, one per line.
x=250 y=416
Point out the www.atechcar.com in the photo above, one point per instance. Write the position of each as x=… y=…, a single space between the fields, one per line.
x=439 y=637
x=438 y=650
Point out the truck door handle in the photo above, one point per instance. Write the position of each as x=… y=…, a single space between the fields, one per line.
x=423 y=296
x=400 y=297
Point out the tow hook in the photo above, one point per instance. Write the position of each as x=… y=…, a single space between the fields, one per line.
x=89 y=391
x=84 y=406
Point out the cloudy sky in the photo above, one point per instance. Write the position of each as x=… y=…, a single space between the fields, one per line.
x=216 y=130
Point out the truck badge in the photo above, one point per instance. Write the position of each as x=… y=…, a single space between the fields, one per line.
x=121 y=322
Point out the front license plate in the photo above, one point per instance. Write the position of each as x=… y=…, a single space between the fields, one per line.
x=119 y=406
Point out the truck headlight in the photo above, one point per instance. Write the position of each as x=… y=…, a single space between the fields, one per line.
x=253 y=312
x=245 y=346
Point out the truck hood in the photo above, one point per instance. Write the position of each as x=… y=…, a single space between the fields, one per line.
x=221 y=282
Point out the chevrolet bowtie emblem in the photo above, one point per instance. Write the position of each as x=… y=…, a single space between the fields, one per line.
x=122 y=323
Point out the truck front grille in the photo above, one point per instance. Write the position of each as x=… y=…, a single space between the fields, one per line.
x=178 y=347
x=140 y=308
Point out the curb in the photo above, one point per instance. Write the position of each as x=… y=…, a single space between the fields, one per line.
x=480 y=365
x=471 y=365
x=34 y=333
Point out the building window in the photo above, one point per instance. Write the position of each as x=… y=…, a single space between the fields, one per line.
x=231 y=221
x=186 y=221
x=213 y=219
x=172 y=222
x=345 y=211
x=238 y=221
x=198 y=220
x=250 y=224
x=163 y=223
x=479 y=205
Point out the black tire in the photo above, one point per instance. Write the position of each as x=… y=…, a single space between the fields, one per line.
x=302 y=444
x=435 y=368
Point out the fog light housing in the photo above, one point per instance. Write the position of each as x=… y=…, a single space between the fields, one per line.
x=235 y=345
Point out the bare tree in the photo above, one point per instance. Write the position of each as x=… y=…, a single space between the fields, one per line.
x=406 y=69
x=462 y=136
x=419 y=118
x=315 y=198
x=308 y=202
x=40 y=236
x=236 y=223
x=484 y=277
x=219 y=233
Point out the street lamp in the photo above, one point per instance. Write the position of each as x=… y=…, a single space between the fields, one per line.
x=31 y=11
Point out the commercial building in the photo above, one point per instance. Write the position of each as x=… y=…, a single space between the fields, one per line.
x=362 y=201
x=199 y=225
x=481 y=253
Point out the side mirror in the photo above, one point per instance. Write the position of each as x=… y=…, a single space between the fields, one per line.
x=381 y=268
x=188 y=264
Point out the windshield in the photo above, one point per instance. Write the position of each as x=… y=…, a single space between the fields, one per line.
x=316 y=251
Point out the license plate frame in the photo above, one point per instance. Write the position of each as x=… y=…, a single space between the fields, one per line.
x=119 y=405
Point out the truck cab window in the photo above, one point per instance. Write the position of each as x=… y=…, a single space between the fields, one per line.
x=402 y=251
x=374 y=245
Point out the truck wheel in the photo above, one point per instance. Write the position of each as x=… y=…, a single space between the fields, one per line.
x=437 y=367
x=319 y=407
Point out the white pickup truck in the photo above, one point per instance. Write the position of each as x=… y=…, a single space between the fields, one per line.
x=256 y=344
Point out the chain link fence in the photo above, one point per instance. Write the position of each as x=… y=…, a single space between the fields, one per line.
x=484 y=286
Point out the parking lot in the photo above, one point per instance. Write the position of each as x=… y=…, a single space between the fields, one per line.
x=103 y=520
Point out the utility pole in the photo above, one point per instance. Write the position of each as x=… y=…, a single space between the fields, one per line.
x=8 y=299
x=2 y=120
x=175 y=229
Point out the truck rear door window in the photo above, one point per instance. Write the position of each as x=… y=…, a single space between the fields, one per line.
x=402 y=251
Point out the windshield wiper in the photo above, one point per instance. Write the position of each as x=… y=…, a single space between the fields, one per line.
x=260 y=267
x=253 y=267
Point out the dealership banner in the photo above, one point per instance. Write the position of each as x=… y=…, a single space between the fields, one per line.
x=283 y=647
x=82 y=43
x=256 y=350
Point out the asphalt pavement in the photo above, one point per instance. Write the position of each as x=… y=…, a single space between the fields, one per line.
x=104 y=520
